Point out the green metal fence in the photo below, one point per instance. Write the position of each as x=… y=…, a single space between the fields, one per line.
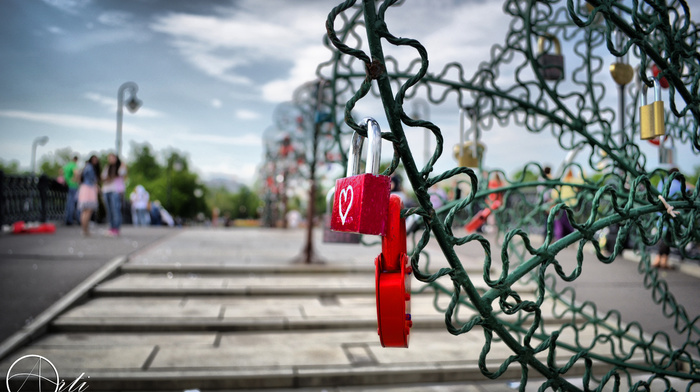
x=620 y=195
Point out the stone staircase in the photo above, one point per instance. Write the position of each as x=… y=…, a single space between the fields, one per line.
x=221 y=323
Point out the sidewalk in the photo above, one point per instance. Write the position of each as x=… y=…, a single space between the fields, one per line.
x=36 y=270
x=223 y=309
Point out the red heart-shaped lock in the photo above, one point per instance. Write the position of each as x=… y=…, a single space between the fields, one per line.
x=393 y=281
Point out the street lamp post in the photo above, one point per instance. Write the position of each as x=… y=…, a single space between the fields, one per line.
x=421 y=111
x=38 y=141
x=132 y=104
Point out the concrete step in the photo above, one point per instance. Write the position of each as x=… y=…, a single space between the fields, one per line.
x=252 y=284
x=157 y=314
x=290 y=268
x=291 y=359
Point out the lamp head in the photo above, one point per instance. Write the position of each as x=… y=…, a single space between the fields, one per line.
x=133 y=104
x=41 y=140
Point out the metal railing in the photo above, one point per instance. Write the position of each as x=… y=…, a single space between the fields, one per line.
x=621 y=193
x=31 y=199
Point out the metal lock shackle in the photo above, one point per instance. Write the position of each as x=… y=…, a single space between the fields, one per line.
x=374 y=134
x=329 y=200
x=554 y=40
x=657 y=92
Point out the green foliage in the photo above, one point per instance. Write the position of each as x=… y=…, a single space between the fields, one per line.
x=244 y=204
x=144 y=163
x=50 y=164
x=178 y=189
x=525 y=175
x=692 y=178
x=9 y=167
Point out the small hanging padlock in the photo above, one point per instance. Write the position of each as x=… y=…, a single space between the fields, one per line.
x=468 y=153
x=393 y=281
x=551 y=65
x=667 y=155
x=651 y=116
x=621 y=72
x=335 y=237
x=464 y=153
x=361 y=201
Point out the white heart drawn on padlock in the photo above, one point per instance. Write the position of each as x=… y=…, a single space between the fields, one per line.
x=344 y=195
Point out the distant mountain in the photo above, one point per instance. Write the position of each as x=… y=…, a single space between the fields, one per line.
x=228 y=183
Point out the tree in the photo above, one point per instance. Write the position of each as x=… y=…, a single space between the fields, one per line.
x=51 y=163
x=179 y=190
x=9 y=167
x=247 y=203
x=144 y=165
x=244 y=204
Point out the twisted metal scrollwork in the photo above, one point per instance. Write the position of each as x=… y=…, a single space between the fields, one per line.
x=620 y=194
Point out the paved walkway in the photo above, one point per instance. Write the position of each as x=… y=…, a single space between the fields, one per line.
x=36 y=270
x=222 y=309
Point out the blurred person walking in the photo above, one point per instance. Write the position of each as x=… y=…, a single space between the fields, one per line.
x=113 y=187
x=664 y=248
x=567 y=195
x=71 y=178
x=87 y=193
x=139 y=206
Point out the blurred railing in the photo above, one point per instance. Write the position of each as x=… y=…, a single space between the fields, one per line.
x=31 y=199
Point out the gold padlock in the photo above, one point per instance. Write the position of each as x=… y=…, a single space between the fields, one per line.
x=651 y=116
x=465 y=155
x=622 y=73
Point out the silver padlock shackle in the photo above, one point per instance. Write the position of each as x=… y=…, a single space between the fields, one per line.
x=355 y=154
x=329 y=199
x=374 y=134
x=657 y=92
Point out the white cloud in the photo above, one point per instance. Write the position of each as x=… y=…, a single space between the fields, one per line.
x=216 y=103
x=55 y=30
x=304 y=70
x=64 y=120
x=115 y=18
x=74 y=122
x=245 y=114
x=248 y=140
x=70 y=6
x=219 y=45
x=244 y=172
x=110 y=104
x=98 y=38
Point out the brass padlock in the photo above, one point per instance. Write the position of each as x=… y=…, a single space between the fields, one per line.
x=467 y=155
x=651 y=116
x=551 y=65
x=622 y=73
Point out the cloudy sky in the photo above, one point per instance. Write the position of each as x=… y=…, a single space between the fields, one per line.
x=210 y=74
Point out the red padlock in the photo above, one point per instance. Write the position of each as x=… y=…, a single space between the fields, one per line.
x=393 y=281
x=361 y=201
x=480 y=218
